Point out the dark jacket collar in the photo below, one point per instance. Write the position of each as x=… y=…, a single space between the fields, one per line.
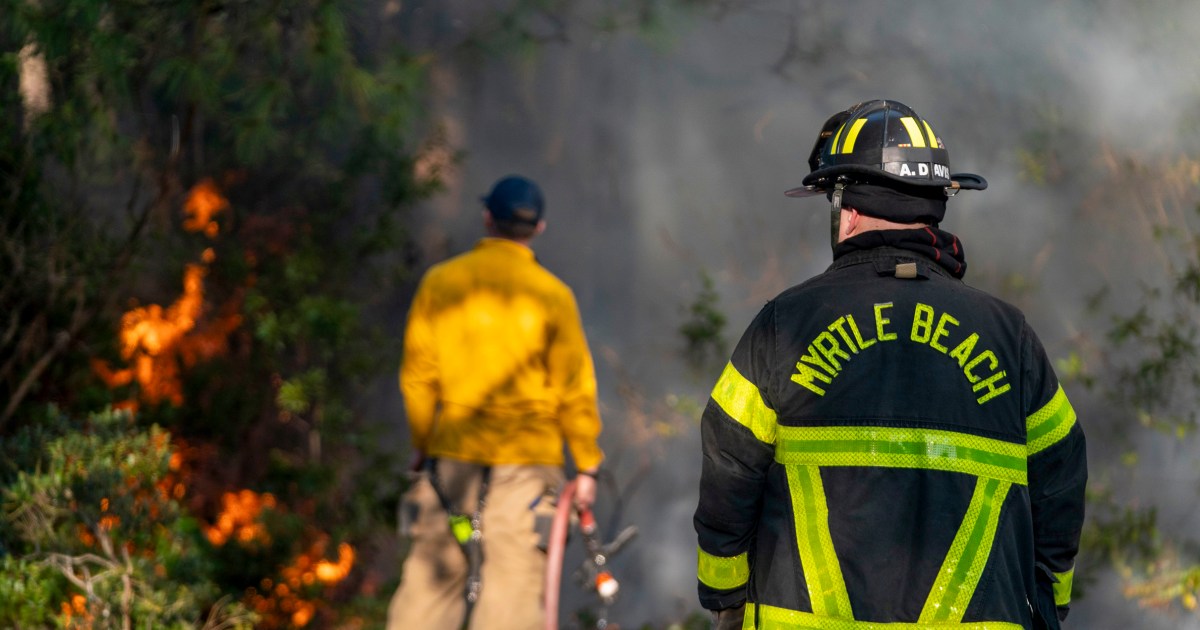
x=931 y=244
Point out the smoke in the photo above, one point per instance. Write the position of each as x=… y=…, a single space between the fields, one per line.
x=665 y=156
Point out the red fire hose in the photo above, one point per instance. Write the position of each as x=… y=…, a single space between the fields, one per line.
x=594 y=573
x=555 y=549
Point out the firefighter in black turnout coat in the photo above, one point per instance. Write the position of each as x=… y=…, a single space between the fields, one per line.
x=889 y=448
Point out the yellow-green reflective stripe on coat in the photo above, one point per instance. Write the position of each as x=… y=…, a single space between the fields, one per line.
x=743 y=402
x=959 y=576
x=1062 y=588
x=890 y=447
x=774 y=618
x=723 y=573
x=1046 y=426
x=822 y=570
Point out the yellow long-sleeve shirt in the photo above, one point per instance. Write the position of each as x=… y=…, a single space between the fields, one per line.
x=496 y=368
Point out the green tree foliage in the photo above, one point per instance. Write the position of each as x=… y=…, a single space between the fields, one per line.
x=202 y=208
x=1155 y=380
x=96 y=518
x=703 y=330
x=113 y=118
x=202 y=205
x=1142 y=370
x=1162 y=338
x=1138 y=377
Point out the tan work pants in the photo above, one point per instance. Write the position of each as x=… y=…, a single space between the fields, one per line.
x=434 y=576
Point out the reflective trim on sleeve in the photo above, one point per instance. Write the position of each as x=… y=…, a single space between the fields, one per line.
x=773 y=618
x=722 y=573
x=959 y=576
x=1062 y=588
x=1049 y=424
x=902 y=448
x=822 y=571
x=743 y=402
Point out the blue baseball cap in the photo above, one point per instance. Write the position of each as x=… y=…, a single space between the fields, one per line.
x=515 y=199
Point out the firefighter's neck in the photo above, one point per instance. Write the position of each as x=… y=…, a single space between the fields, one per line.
x=490 y=228
x=854 y=223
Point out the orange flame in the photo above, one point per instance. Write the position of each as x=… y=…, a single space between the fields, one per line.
x=239 y=518
x=286 y=601
x=156 y=344
x=203 y=203
x=154 y=340
x=334 y=572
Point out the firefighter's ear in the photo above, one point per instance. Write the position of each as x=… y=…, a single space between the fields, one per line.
x=541 y=227
x=851 y=221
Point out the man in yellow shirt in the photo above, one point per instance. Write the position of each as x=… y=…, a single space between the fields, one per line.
x=496 y=377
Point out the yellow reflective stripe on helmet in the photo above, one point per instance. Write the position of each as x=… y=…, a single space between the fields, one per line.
x=855 y=127
x=722 y=573
x=833 y=146
x=902 y=448
x=742 y=401
x=1049 y=424
x=914 y=132
x=1062 y=588
x=775 y=618
x=822 y=571
x=933 y=143
x=959 y=576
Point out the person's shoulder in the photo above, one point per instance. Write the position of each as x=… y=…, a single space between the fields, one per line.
x=551 y=281
x=449 y=269
x=799 y=291
x=992 y=300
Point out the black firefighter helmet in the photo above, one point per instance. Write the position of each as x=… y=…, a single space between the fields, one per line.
x=884 y=143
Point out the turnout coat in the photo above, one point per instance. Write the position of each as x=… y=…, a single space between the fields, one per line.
x=890 y=448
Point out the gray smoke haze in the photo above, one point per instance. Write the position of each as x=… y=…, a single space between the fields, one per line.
x=665 y=159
